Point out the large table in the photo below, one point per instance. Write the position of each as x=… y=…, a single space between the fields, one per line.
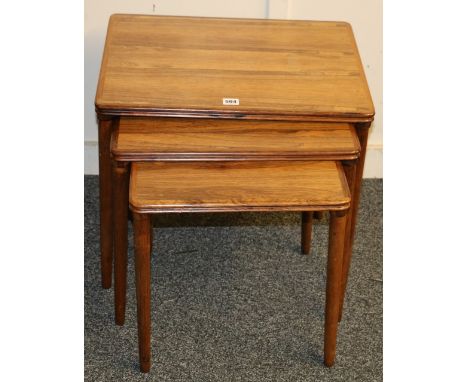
x=221 y=69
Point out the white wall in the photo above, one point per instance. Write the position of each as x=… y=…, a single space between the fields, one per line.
x=364 y=15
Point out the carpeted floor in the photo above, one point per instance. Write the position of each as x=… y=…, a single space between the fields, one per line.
x=233 y=300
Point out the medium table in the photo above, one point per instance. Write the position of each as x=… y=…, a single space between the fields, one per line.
x=160 y=139
x=217 y=68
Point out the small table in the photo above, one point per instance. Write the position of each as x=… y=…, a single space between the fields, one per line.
x=216 y=68
x=238 y=186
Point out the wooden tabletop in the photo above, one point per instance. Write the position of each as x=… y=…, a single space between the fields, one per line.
x=238 y=186
x=155 y=139
x=273 y=69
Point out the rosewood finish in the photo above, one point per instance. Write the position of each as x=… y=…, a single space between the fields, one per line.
x=355 y=185
x=279 y=70
x=120 y=190
x=237 y=186
x=306 y=231
x=105 y=199
x=185 y=66
x=165 y=139
x=182 y=139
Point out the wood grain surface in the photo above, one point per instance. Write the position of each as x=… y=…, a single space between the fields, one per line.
x=120 y=183
x=147 y=139
x=278 y=69
x=306 y=231
x=237 y=186
x=336 y=243
x=142 y=240
x=106 y=125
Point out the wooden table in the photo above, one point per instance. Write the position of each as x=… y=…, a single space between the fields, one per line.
x=155 y=187
x=244 y=69
x=160 y=139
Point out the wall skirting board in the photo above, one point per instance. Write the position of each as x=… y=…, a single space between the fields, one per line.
x=372 y=169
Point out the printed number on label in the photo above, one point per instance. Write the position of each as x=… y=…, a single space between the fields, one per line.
x=231 y=101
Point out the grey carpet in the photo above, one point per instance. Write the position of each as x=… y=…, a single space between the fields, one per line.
x=233 y=300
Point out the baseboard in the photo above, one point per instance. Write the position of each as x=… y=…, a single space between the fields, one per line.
x=372 y=168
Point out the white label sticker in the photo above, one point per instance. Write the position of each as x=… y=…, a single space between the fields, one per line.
x=231 y=101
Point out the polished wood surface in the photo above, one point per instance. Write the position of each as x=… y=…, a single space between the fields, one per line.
x=277 y=69
x=349 y=168
x=319 y=214
x=200 y=186
x=182 y=139
x=155 y=66
x=306 y=231
x=105 y=198
x=336 y=242
x=362 y=130
x=146 y=139
x=142 y=240
x=240 y=186
x=120 y=203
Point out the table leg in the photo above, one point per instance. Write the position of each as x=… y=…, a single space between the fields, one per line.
x=349 y=168
x=362 y=130
x=306 y=231
x=105 y=199
x=120 y=202
x=142 y=235
x=319 y=215
x=336 y=243
x=151 y=235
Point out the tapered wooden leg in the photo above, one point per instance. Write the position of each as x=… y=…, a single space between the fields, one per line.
x=120 y=202
x=105 y=198
x=349 y=168
x=151 y=236
x=336 y=242
x=306 y=234
x=142 y=227
x=362 y=130
x=319 y=215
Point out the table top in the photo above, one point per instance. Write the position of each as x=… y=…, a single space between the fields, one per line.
x=146 y=139
x=238 y=186
x=232 y=68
